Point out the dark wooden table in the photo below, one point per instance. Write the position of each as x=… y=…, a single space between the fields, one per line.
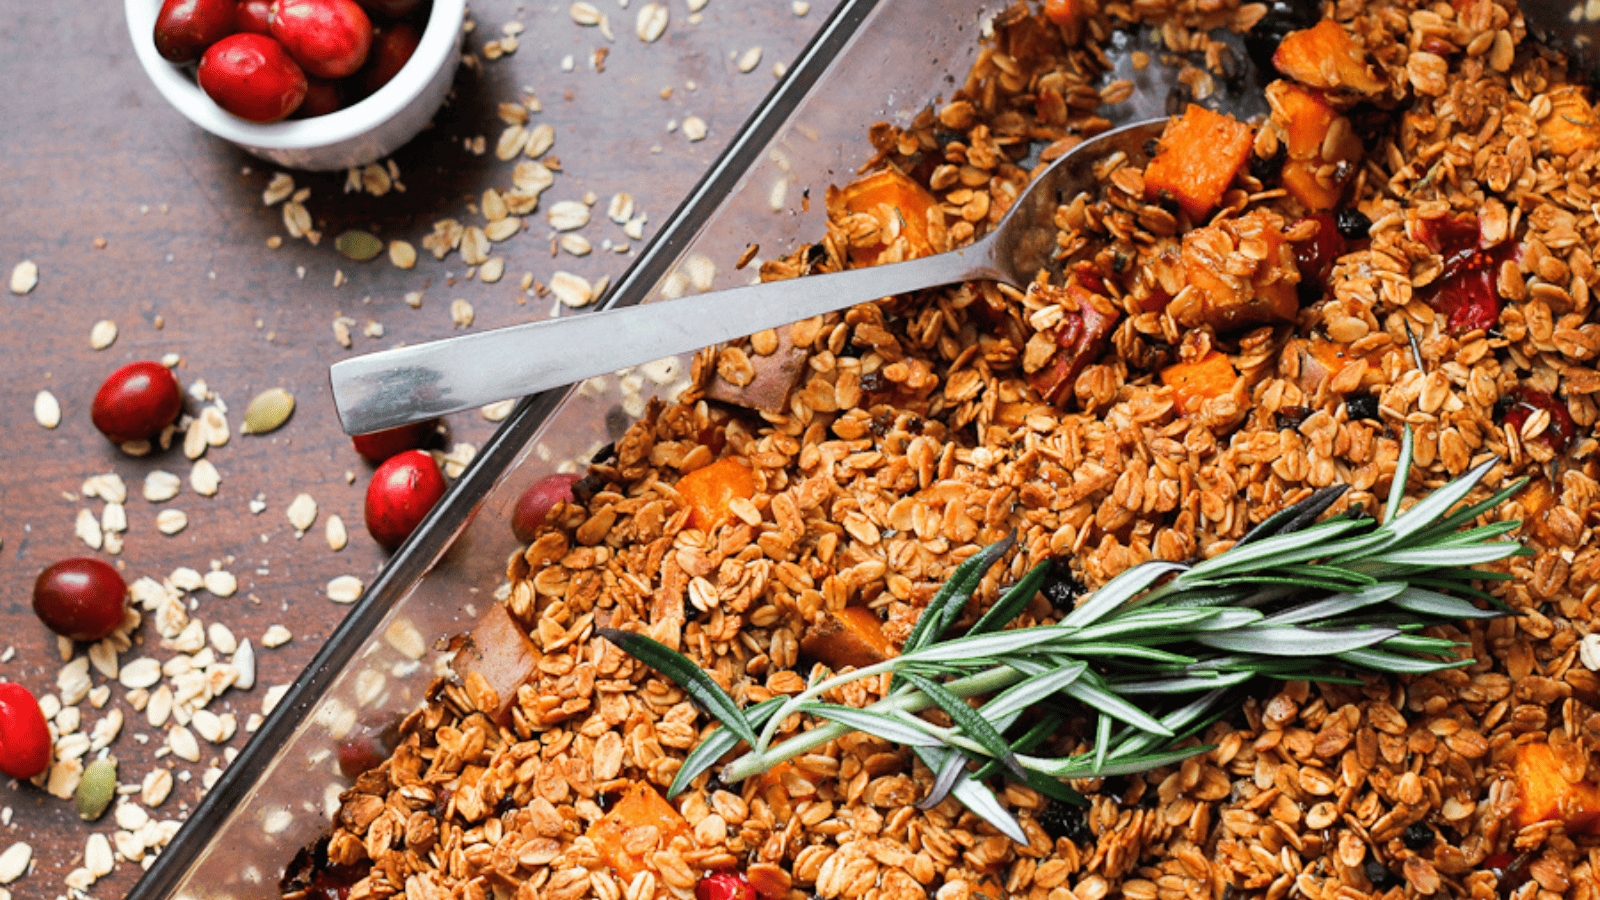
x=134 y=216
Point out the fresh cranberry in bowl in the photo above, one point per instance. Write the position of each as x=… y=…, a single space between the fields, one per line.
x=253 y=77
x=185 y=28
x=328 y=38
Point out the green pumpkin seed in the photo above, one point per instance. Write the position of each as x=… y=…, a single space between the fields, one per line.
x=358 y=245
x=96 y=789
x=270 y=409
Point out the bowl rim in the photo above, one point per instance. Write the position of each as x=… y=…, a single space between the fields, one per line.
x=438 y=44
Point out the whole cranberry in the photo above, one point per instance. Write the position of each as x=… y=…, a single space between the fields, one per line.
x=724 y=886
x=393 y=9
x=359 y=752
x=253 y=77
x=322 y=97
x=24 y=736
x=185 y=28
x=402 y=492
x=392 y=47
x=254 y=16
x=380 y=445
x=136 y=402
x=536 y=502
x=81 y=598
x=329 y=38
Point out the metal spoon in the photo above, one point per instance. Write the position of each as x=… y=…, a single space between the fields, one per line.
x=394 y=387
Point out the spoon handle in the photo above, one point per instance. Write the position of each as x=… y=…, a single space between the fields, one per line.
x=394 y=387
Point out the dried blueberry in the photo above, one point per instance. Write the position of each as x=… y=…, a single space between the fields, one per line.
x=1418 y=836
x=1382 y=879
x=1061 y=587
x=1362 y=406
x=1353 y=224
x=1060 y=819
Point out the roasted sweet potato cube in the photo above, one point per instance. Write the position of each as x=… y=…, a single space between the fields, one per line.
x=1326 y=56
x=1080 y=338
x=1545 y=794
x=638 y=825
x=499 y=657
x=1193 y=383
x=902 y=208
x=776 y=374
x=852 y=636
x=1312 y=142
x=1572 y=124
x=708 y=491
x=1067 y=13
x=1243 y=271
x=1199 y=156
x=1323 y=361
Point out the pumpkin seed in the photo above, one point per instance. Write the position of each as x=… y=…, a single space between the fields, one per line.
x=269 y=410
x=358 y=245
x=96 y=788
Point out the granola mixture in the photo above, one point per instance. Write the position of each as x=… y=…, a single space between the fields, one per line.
x=923 y=427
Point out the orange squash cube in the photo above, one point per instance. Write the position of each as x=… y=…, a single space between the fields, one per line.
x=1545 y=795
x=1305 y=120
x=1572 y=124
x=1326 y=56
x=500 y=653
x=640 y=819
x=852 y=636
x=1237 y=288
x=708 y=490
x=1199 y=156
x=1193 y=383
x=902 y=208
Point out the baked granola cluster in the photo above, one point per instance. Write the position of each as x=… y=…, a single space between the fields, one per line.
x=919 y=428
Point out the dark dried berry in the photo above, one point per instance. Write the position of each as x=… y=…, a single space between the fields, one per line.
x=1290 y=417
x=1061 y=587
x=1268 y=169
x=1061 y=819
x=1353 y=224
x=1362 y=406
x=1418 y=836
x=1382 y=879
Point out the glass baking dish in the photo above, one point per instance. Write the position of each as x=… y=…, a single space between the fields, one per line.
x=765 y=189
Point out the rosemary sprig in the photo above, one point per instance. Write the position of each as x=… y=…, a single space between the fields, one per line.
x=1294 y=599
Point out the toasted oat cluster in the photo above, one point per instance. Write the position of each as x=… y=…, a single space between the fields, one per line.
x=1406 y=239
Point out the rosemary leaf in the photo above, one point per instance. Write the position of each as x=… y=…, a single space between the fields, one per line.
x=1183 y=685
x=1379 y=661
x=979 y=799
x=1336 y=605
x=682 y=670
x=1034 y=690
x=1292 y=640
x=1011 y=604
x=1119 y=590
x=1432 y=603
x=1104 y=700
x=717 y=744
x=879 y=725
x=946 y=605
x=1402 y=474
x=967 y=719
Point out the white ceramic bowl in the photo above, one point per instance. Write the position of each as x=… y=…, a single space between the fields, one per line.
x=353 y=136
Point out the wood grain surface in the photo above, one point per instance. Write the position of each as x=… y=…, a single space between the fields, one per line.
x=135 y=216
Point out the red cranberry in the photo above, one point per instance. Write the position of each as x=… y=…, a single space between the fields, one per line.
x=253 y=77
x=1465 y=290
x=537 y=501
x=380 y=445
x=1520 y=403
x=136 y=402
x=360 y=752
x=392 y=47
x=81 y=598
x=322 y=97
x=329 y=38
x=1315 y=257
x=185 y=28
x=254 y=16
x=24 y=736
x=724 y=886
x=402 y=492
